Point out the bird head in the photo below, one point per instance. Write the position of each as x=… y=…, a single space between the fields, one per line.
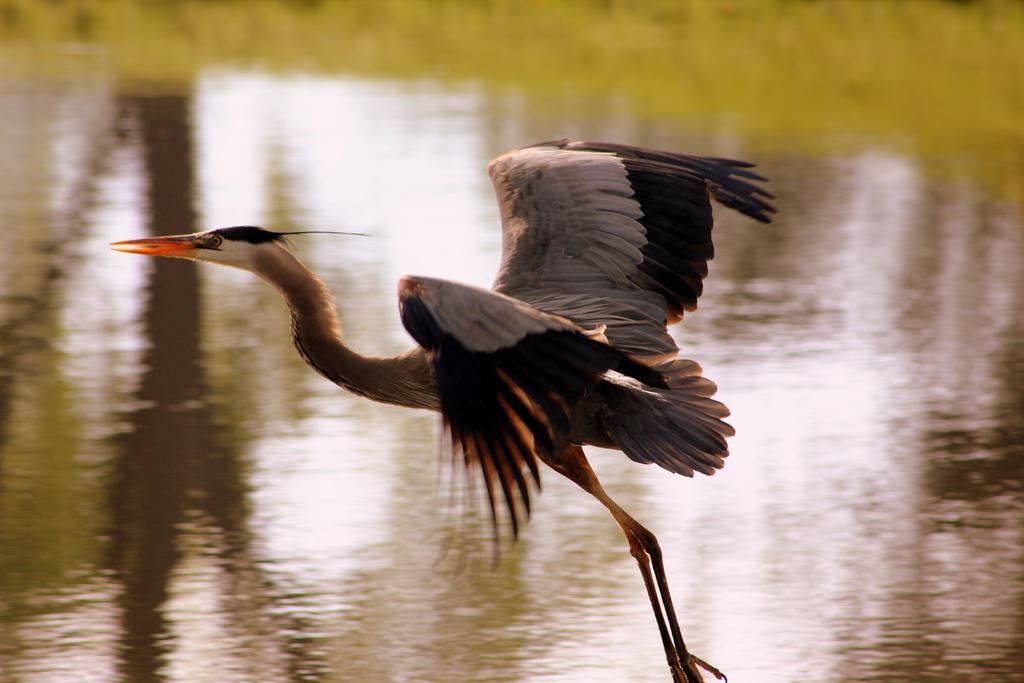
x=236 y=246
x=241 y=246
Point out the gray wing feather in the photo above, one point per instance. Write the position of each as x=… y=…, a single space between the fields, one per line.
x=572 y=241
x=609 y=234
x=481 y=319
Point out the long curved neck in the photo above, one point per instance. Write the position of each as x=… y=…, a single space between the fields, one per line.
x=405 y=380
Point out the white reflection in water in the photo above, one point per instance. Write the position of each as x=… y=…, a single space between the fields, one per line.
x=103 y=339
x=796 y=530
x=318 y=497
x=73 y=641
x=398 y=162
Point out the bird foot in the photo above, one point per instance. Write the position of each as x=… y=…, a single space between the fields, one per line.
x=688 y=671
x=707 y=667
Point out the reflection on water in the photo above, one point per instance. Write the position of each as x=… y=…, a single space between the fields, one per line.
x=182 y=500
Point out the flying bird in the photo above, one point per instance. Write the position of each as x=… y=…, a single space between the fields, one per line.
x=603 y=246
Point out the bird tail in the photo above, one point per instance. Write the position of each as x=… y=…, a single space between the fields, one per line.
x=680 y=428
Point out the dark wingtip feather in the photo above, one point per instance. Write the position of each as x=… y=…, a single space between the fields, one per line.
x=724 y=177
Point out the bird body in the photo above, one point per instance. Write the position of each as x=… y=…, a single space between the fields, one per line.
x=603 y=246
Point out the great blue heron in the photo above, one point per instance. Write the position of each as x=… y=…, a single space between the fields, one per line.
x=603 y=246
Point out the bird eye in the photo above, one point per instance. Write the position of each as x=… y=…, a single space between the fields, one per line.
x=216 y=241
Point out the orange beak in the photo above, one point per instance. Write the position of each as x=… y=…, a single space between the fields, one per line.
x=171 y=245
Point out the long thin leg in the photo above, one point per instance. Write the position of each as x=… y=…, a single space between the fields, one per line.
x=640 y=535
x=572 y=463
x=640 y=555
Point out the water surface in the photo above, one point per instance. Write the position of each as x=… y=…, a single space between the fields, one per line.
x=181 y=499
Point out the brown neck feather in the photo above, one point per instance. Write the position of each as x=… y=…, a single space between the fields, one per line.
x=404 y=380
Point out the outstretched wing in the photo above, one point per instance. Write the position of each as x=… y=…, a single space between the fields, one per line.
x=507 y=376
x=607 y=234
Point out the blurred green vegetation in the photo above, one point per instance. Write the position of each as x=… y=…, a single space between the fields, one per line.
x=942 y=80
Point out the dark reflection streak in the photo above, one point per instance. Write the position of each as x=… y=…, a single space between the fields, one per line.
x=1012 y=426
x=152 y=471
x=978 y=460
x=1005 y=473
